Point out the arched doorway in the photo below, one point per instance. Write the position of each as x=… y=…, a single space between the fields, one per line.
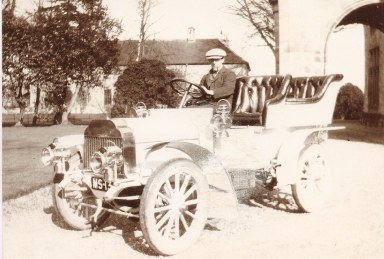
x=371 y=20
x=304 y=28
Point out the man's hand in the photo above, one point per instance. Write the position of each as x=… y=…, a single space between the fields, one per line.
x=208 y=92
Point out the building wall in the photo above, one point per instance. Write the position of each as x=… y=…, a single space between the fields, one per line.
x=346 y=54
x=304 y=28
x=194 y=73
x=374 y=39
x=303 y=33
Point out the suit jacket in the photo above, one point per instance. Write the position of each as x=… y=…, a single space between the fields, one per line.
x=222 y=84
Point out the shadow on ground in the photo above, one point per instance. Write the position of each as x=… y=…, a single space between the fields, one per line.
x=275 y=199
x=128 y=228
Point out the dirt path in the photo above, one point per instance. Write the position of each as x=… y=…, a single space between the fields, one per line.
x=350 y=226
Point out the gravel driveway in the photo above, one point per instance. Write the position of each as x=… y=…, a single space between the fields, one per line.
x=350 y=226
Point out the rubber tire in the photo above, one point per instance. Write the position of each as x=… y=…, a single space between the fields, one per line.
x=310 y=194
x=65 y=213
x=159 y=243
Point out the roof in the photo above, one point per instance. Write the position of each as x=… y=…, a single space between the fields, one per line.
x=177 y=52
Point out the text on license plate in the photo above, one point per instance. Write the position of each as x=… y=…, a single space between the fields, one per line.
x=99 y=184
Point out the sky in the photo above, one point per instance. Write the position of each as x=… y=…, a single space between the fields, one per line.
x=210 y=18
x=172 y=18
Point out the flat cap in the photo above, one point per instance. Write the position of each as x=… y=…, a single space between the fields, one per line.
x=215 y=53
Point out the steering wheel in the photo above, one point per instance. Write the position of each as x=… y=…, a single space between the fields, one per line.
x=185 y=89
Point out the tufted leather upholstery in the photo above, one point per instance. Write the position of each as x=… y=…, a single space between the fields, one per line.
x=254 y=94
x=305 y=87
x=310 y=89
x=251 y=95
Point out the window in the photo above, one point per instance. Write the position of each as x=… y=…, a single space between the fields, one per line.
x=373 y=79
x=107 y=96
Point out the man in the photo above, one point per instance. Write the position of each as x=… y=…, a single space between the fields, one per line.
x=219 y=83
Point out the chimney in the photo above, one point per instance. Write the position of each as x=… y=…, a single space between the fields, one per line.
x=191 y=35
x=224 y=38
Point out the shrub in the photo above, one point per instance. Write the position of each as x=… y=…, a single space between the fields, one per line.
x=349 y=103
x=143 y=81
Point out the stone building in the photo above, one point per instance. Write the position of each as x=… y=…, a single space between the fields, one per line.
x=302 y=33
x=185 y=57
x=374 y=79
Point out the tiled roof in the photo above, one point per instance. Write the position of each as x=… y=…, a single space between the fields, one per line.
x=177 y=52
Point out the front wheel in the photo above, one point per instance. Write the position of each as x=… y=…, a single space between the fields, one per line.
x=174 y=206
x=70 y=209
x=312 y=186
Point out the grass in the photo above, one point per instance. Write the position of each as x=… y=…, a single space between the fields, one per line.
x=354 y=131
x=24 y=173
x=22 y=170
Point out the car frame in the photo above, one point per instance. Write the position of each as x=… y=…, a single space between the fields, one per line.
x=169 y=167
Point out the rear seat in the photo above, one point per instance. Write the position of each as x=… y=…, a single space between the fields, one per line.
x=310 y=89
x=251 y=95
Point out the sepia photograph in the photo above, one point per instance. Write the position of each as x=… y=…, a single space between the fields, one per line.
x=192 y=129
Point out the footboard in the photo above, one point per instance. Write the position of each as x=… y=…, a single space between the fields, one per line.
x=309 y=101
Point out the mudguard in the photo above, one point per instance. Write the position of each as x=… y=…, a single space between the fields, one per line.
x=223 y=200
x=290 y=150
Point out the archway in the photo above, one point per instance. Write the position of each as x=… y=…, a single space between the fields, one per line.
x=304 y=28
x=370 y=17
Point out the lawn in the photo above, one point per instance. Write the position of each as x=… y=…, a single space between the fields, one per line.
x=354 y=131
x=23 y=171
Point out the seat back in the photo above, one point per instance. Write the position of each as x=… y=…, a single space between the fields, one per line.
x=252 y=93
x=308 y=101
x=310 y=89
x=305 y=87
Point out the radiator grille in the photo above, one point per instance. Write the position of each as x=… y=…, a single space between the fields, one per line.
x=92 y=144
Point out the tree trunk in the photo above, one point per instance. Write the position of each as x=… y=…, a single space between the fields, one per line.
x=22 y=107
x=22 y=101
x=71 y=105
x=276 y=32
x=37 y=104
x=10 y=5
x=138 y=51
x=20 y=122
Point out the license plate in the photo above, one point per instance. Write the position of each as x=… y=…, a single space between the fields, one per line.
x=100 y=184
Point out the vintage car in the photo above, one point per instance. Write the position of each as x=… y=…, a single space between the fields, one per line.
x=169 y=167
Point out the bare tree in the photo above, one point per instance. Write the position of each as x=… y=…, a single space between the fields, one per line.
x=145 y=9
x=259 y=14
x=9 y=5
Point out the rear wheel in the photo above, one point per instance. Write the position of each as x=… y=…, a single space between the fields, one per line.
x=312 y=186
x=69 y=207
x=173 y=206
